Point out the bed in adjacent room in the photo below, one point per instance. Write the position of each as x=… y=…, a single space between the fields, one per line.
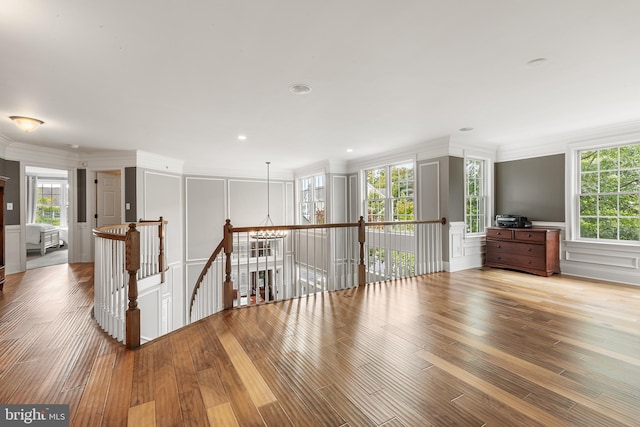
x=42 y=237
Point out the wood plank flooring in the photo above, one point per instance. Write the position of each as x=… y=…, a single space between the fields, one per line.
x=473 y=348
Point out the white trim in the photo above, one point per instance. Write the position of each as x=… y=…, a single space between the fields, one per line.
x=464 y=253
x=488 y=189
x=15 y=258
x=559 y=143
x=609 y=262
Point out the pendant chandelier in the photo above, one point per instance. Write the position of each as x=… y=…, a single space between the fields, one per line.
x=268 y=234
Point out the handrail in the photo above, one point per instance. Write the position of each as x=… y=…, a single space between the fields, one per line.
x=432 y=248
x=134 y=256
x=212 y=258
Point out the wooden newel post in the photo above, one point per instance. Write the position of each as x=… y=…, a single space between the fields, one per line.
x=362 y=269
x=227 y=290
x=132 y=264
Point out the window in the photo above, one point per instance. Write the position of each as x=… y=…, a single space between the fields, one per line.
x=389 y=193
x=475 y=196
x=312 y=200
x=389 y=197
x=49 y=203
x=609 y=193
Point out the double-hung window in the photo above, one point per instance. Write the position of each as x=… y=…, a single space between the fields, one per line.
x=609 y=193
x=389 y=196
x=389 y=193
x=475 y=195
x=51 y=203
x=312 y=200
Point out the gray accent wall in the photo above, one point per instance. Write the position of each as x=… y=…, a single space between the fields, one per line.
x=531 y=187
x=456 y=189
x=81 y=183
x=11 y=170
x=130 y=196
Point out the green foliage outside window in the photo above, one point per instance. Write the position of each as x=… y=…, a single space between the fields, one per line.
x=48 y=204
x=399 y=200
x=610 y=193
x=475 y=196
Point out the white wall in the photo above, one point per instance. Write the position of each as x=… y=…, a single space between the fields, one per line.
x=162 y=196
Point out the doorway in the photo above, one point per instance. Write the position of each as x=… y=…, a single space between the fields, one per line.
x=47 y=216
x=108 y=198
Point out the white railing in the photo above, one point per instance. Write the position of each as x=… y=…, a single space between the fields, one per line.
x=246 y=270
x=124 y=254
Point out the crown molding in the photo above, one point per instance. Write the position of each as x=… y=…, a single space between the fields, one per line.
x=104 y=160
x=4 y=143
x=42 y=156
x=274 y=172
x=157 y=162
x=558 y=143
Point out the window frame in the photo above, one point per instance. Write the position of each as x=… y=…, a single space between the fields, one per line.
x=63 y=199
x=314 y=202
x=574 y=187
x=486 y=180
x=388 y=200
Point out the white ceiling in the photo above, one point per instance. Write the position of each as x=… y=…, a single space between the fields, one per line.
x=184 y=79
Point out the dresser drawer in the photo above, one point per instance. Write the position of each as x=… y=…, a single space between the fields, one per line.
x=516 y=261
x=530 y=236
x=2 y=274
x=530 y=249
x=498 y=233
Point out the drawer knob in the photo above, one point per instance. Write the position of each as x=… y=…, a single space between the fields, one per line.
x=529 y=261
x=529 y=235
x=497 y=246
x=529 y=249
x=499 y=233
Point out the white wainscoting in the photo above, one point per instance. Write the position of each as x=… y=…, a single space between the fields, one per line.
x=603 y=261
x=15 y=258
x=464 y=253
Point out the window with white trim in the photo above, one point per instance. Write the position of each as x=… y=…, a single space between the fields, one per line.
x=312 y=200
x=389 y=193
x=609 y=193
x=475 y=196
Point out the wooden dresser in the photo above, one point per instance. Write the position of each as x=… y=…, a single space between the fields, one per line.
x=534 y=250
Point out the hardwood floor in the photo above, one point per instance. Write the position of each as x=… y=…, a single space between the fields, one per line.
x=471 y=348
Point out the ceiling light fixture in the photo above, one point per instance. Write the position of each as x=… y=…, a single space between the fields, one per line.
x=242 y=137
x=466 y=129
x=300 y=89
x=27 y=124
x=268 y=234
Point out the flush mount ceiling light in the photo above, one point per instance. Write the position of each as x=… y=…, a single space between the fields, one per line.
x=242 y=137
x=27 y=124
x=300 y=89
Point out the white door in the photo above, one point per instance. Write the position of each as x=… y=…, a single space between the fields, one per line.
x=108 y=198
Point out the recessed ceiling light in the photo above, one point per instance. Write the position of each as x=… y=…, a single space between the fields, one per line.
x=74 y=146
x=465 y=129
x=349 y=150
x=242 y=137
x=537 y=62
x=300 y=89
